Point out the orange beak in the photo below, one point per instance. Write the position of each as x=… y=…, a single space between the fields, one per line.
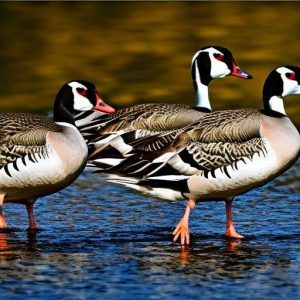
x=237 y=71
x=102 y=106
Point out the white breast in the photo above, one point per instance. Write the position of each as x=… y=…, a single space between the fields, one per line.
x=65 y=157
x=244 y=176
x=45 y=170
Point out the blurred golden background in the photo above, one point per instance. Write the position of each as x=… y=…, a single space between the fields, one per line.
x=141 y=51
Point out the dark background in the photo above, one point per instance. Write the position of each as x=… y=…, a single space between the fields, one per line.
x=141 y=51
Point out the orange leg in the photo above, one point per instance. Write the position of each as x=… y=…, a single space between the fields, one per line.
x=230 y=230
x=3 y=224
x=182 y=228
x=29 y=207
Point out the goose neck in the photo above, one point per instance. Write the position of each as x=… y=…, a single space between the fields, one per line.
x=202 y=98
x=200 y=86
x=275 y=106
x=62 y=114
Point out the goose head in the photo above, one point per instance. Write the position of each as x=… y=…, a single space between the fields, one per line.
x=78 y=96
x=210 y=63
x=281 y=82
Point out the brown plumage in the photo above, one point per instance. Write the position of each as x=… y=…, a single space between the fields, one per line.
x=106 y=134
x=39 y=156
x=223 y=154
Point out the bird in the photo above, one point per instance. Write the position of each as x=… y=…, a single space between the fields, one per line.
x=224 y=154
x=109 y=136
x=40 y=156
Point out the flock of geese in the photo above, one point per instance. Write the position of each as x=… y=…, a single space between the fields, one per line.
x=170 y=151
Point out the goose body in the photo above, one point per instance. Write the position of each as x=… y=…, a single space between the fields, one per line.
x=44 y=166
x=228 y=168
x=115 y=133
x=39 y=156
x=224 y=154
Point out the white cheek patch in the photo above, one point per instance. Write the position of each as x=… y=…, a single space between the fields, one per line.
x=290 y=87
x=219 y=69
x=81 y=103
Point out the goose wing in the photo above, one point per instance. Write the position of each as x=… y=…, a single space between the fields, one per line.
x=91 y=122
x=215 y=141
x=23 y=135
x=140 y=120
x=130 y=127
x=208 y=157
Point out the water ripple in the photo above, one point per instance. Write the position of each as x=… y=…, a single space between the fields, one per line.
x=101 y=238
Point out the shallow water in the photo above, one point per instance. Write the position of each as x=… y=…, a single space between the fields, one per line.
x=103 y=240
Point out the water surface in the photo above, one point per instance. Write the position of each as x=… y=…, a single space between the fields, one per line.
x=103 y=240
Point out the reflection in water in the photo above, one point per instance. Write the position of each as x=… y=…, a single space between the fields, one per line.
x=233 y=245
x=3 y=241
x=186 y=252
x=148 y=254
x=133 y=261
x=184 y=255
x=10 y=244
x=209 y=264
x=32 y=241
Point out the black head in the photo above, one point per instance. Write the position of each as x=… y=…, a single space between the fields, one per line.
x=76 y=96
x=215 y=62
x=280 y=82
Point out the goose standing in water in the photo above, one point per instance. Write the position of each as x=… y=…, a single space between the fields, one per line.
x=109 y=136
x=223 y=154
x=39 y=156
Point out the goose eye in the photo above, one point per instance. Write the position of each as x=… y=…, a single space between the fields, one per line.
x=219 y=56
x=81 y=91
x=290 y=76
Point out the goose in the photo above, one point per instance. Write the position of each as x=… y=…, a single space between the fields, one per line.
x=222 y=155
x=39 y=156
x=114 y=133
